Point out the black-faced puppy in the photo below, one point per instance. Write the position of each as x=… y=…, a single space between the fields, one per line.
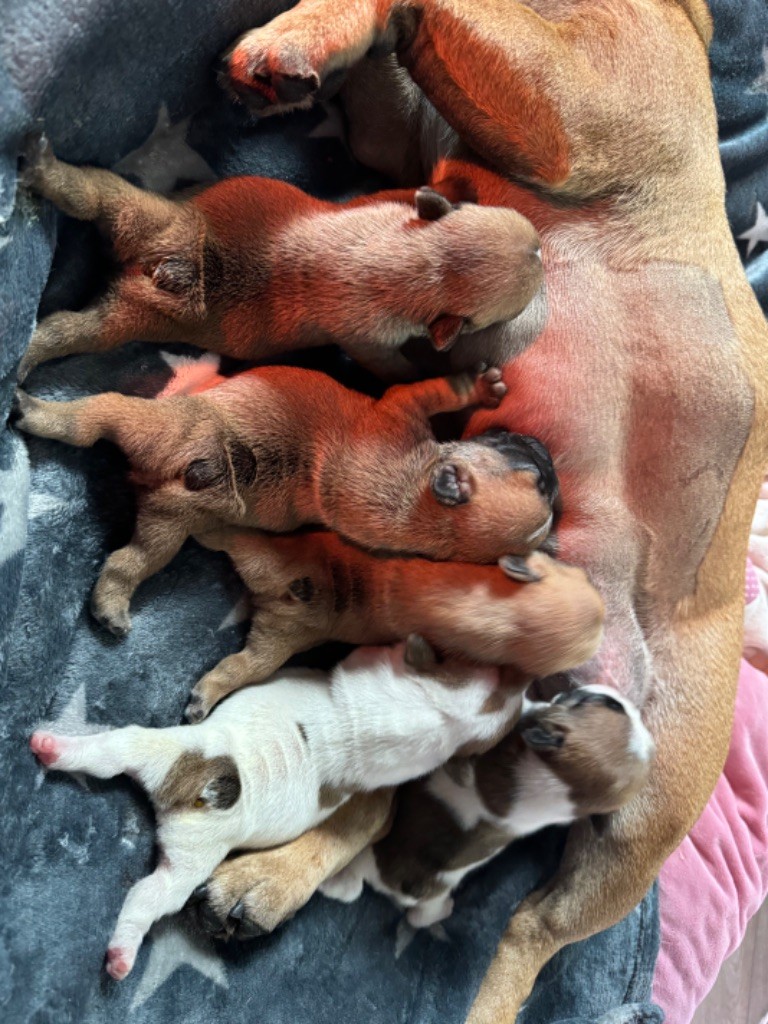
x=252 y=267
x=538 y=615
x=587 y=753
x=279 y=447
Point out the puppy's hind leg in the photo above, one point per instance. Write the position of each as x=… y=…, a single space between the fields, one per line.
x=163 y=523
x=264 y=652
x=166 y=890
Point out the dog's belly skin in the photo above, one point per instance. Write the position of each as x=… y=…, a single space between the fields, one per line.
x=646 y=459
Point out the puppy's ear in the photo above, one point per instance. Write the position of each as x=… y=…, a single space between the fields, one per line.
x=518 y=569
x=444 y=330
x=300 y=590
x=222 y=791
x=457 y=188
x=600 y=823
x=430 y=205
x=420 y=654
x=543 y=736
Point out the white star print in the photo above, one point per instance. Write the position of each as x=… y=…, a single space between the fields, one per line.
x=239 y=612
x=14 y=487
x=759 y=230
x=760 y=84
x=71 y=721
x=165 y=157
x=171 y=948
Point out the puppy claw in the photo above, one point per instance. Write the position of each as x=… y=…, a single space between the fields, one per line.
x=22 y=406
x=196 y=710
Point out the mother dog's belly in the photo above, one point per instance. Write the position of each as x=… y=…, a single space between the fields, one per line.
x=638 y=388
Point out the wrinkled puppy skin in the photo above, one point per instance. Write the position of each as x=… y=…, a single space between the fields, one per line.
x=252 y=267
x=537 y=615
x=279 y=447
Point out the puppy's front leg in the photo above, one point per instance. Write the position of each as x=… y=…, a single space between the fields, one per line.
x=256 y=892
x=446 y=394
x=102 y=755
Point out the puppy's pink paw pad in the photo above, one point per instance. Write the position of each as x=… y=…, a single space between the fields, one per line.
x=119 y=963
x=45 y=747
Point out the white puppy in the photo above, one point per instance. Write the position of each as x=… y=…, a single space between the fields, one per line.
x=275 y=760
x=584 y=754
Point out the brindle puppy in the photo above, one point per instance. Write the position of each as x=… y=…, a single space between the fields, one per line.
x=539 y=615
x=252 y=267
x=280 y=447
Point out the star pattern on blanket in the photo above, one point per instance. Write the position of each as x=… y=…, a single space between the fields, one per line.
x=759 y=231
x=406 y=933
x=172 y=947
x=166 y=157
x=760 y=84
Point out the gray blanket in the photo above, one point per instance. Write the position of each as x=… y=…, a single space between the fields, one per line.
x=129 y=83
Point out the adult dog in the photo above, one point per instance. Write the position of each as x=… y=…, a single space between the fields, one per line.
x=648 y=381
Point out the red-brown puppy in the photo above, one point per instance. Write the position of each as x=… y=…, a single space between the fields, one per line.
x=537 y=615
x=648 y=382
x=279 y=447
x=252 y=267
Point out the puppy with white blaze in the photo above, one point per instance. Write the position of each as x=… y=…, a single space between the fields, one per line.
x=585 y=754
x=275 y=760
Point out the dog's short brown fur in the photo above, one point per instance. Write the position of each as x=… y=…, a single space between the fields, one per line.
x=648 y=381
x=252 y=267
x=280 y=447
x=537 y=615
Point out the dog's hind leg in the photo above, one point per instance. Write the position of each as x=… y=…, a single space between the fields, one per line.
x=602 y=878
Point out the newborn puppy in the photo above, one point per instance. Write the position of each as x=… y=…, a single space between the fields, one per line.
x=277 y=759
x=252 y=267
x=279 y=447
x=585 y=754
x=539 y=615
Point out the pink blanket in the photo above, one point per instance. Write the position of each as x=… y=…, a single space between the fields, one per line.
x=718 y=878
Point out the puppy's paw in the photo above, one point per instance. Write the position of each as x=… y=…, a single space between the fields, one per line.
x=112 y=615
x=451 y=484
x=23 y=411
x=346 y=887
x=198 y=707
x=119 y=962
x=46 y=747
x=489 y=387
x=36 y=158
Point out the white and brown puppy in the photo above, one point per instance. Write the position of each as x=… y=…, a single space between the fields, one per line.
x=536 y=614
x=587 y=753
x=277 y=759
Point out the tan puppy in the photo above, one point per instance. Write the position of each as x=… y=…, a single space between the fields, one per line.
x=648 y=382
x=252 y=267
x=585 y=754
x=539 y=616
x=279 y=447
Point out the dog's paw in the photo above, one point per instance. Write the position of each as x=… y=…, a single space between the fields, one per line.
x=451 y=484
x=346 y=887
x=251 y=895
x=489 y=387
x=271 y=72
x=23 y=409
